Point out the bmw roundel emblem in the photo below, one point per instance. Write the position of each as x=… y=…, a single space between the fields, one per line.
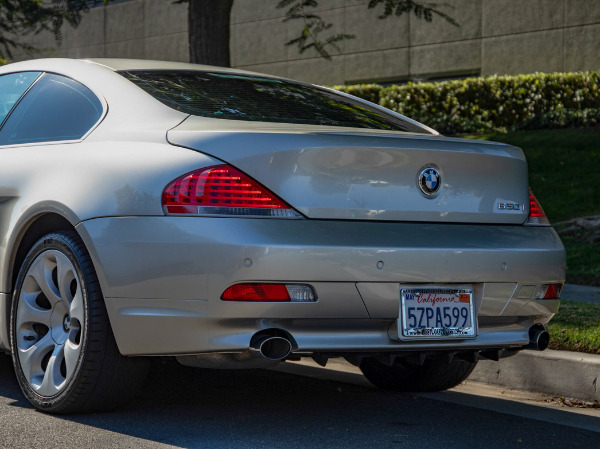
x=430 y=181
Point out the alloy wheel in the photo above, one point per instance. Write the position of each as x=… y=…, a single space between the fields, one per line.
x=49 y=323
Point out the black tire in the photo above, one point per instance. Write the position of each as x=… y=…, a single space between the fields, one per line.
x=436 y=374
x=92 y=375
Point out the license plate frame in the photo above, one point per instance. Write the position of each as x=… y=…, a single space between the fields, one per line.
x=417 y=323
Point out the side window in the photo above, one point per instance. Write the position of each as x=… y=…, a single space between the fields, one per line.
x=12 y=87
x=55 y=108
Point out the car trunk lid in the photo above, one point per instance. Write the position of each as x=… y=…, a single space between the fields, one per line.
x=355 y=174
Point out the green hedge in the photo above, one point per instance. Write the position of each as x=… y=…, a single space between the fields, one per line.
x=369 y=92
x=494 y=103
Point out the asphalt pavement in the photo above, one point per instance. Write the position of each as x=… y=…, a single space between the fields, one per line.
x=307 y=407
x=469 y=393
x=581 y=293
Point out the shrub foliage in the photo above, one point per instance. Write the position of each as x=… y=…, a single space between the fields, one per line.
x=496 y=103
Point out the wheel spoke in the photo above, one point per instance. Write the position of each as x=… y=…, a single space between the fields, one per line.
x=66 y=274
x=29 y=312
x=43 y=277
x=52 y=376
x=31 y=359
x=76 y=309
x=71 y=354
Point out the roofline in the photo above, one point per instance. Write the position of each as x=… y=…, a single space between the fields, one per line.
x=122 y=64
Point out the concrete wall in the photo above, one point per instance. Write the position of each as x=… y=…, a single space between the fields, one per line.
x=494 y=37
x=146 y=29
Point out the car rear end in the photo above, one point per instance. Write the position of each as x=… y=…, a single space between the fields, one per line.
x=310 y=237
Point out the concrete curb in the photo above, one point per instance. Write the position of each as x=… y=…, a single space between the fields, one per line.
x=557 y=373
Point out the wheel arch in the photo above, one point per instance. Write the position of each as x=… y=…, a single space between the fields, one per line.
x=99 y=377
x=34 y=229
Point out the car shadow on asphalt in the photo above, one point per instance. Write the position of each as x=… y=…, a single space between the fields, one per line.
x=9 y=387
x=188 y=407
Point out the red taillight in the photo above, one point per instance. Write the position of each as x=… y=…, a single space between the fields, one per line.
x=257 y=292
x=536 y=217
x=549 y=291
x=222 y=190
x=263 y=292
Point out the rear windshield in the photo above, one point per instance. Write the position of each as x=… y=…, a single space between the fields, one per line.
x=262 y=99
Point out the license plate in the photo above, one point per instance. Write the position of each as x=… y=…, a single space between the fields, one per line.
x=437 y=313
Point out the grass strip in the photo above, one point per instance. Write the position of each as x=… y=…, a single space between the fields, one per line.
x=583 y=260
x=576 y=327
x=563 y=169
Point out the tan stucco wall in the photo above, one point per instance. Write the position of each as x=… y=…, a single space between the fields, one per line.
x=495 y=37
x=147 y=29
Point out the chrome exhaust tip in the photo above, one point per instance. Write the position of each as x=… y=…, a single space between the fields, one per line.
x=270 y=347
x=539 y=338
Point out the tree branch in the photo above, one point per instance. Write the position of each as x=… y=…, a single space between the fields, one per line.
x=313 y=26
x=424 y=11
x=22 y=17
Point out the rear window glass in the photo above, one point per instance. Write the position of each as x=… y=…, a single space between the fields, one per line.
x=254 y=98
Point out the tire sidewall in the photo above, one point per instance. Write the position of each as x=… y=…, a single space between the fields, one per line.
x=62 y=243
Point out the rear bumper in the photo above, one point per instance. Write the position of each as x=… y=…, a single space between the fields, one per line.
x=162 y=278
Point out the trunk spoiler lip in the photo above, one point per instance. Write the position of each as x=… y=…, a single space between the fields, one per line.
x=204 y=125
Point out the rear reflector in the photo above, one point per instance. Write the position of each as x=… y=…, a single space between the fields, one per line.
x=222 y=190
x=549 y=291
x=536 y=217
x=256 y=292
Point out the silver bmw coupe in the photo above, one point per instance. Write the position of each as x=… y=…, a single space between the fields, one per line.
x=236 y=220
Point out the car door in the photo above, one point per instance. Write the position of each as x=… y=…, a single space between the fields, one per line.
x=13 y=87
